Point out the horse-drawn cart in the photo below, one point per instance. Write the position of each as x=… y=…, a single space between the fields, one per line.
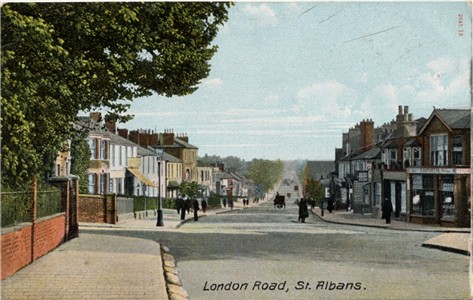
x=279 y=201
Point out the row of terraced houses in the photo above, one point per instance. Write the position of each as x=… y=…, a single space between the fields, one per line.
x=147 y=163
x=422 y=165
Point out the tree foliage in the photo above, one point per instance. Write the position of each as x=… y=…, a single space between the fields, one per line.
x=58 y=59
x=80 y=155
x=190 y=189
x=231 y=163
x=265 y=173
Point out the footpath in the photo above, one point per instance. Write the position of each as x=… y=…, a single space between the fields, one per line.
x=456 y=240
x=100 y=266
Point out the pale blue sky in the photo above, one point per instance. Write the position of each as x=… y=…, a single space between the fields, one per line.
x=290 y=78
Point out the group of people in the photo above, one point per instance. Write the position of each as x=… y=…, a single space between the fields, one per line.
x=183 y=204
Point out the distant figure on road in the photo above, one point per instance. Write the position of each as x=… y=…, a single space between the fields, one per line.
x=204 y=205
x=330 y=205
x=387 y=208
x=179 y=204
x=303 y=210
x=183 y=208
x=195 y=204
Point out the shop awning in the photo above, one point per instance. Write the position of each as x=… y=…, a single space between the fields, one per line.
x=141 y=177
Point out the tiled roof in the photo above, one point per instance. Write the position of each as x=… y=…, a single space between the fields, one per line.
x=319 y=168
x=372 y=153
x=455 y=118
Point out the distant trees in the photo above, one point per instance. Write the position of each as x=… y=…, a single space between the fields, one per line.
x=60 y=58
x=313 y=188
x=231 y=163
x=265 y=172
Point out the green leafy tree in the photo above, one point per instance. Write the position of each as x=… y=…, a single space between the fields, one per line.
x=80 y=155
x=265 y=173
x=190 y=189
x=314 y=189
x=58 y=59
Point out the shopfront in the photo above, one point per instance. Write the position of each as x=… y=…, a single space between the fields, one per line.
x=439 y=196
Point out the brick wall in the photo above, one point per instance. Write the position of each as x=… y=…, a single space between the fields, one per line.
x=49 y=234
x=97 y=209
x=17 y=251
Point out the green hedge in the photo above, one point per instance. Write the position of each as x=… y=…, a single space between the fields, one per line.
x=152 y=203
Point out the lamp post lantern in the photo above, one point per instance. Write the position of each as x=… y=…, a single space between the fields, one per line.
x=160 y=221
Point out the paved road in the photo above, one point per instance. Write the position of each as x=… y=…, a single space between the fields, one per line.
x=264 y=253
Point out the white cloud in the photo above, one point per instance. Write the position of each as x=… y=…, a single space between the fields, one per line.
x=330 y=99
x=258 y=146
x=277 y=120
x=362 y=78
x=447 y=83
x=213 y=84
x=446 y=64
x=263 y=14
x=273 y=99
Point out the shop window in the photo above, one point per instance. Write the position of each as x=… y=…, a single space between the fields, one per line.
x=423 y=201
x=447 y=197
x=439 y=150
x=457 y=150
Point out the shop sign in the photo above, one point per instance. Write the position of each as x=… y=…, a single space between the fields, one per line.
x=438 y=170
x=363 y=176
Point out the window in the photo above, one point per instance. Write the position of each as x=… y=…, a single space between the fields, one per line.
x=103 y=149
x=102 y=184
x=439 y=150
x=393 y=158
x=91 y=184
x=110 y=187
x=93 y=147
x=416 y=157
x=120 y=156
x=112 y=155
x=377 y=194
x=119 y=186
x=457 y=150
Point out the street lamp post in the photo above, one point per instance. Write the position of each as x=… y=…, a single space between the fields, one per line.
x=160 y=221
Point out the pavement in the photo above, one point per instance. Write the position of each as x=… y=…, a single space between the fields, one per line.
x=97 y=266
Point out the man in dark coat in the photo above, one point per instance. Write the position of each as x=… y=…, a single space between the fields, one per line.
x=183 y=207
x=195 y=204
x=204 y=205
x=303 y=210
x=387 y=209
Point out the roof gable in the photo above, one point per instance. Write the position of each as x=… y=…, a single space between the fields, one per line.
x=449 y=118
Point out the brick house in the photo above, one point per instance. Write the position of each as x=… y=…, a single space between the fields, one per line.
x=440 y=188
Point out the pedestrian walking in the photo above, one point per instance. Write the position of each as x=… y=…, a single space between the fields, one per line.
x=196 y=209
x=303 y=210
x=387 y=209
x=330 y=205
x=179 y=204
x=204 y=205
x=183 y=208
